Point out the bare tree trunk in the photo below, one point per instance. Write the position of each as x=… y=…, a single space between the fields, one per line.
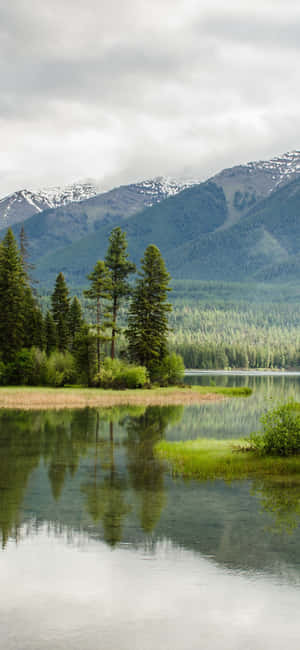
x=98 y=335
x=113 y=333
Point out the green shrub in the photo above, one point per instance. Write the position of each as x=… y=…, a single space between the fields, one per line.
x=60 y=369
x=170 y=371
x=132 y=377
x=119 y=374
x=280 y=433
x=38 y=374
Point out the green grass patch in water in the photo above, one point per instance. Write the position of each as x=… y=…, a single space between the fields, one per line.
x=238 y=391
x=207 y=459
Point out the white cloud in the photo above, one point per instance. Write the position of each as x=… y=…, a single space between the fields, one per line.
x=121 y=90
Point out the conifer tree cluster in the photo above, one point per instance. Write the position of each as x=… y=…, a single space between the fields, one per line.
x=61 y=346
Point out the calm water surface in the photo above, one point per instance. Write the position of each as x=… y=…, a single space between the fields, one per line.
x=101 y=548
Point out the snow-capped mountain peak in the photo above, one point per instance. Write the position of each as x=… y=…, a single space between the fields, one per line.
x=282 y=168
x=24 y=203
x=72 y=193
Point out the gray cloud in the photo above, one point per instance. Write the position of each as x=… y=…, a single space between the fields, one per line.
x=121 y=91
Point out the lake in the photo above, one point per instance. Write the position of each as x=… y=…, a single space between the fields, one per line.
x=102 y=548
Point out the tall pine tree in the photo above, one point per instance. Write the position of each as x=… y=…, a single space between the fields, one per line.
x=12 y=292
x=60 y=301
x=27 y=266
x=76 y=320
x=50 y=333
x=99 y=293
x=147 y=329
x=117 y=261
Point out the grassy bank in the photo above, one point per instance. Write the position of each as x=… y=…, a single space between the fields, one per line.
x=20 y=397
x=204 y=459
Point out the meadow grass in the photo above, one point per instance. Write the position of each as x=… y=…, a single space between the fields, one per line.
x=204 y=459
x=33 y=397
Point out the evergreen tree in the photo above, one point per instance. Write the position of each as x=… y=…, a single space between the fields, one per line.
x=117 y=261
x=76 y=320
x=99 y=292
x=84 y=350
x=148 y=313
x=27 y=266
x=12 y=291
x=50 y=333
x=34 y=331
x=60 y=301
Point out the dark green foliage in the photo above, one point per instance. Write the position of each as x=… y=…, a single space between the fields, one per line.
x=85 y=353
x=148 y=312
x=76 y=320
x=12 y=292
x=34 y=326
x=50 y=333
x=98 y=294
x=120 y=267
x=60 y=301
x=280 y=434
x=24 y=252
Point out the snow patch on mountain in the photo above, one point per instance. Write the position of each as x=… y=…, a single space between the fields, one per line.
x=24 y=203
x=73 y=193
x=282 y=168
x=162 y=187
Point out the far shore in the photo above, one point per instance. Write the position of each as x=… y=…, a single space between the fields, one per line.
x=38 y=398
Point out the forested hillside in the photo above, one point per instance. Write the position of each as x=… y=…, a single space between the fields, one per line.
x=243 y=225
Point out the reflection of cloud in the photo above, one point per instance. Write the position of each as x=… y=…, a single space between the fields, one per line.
x=129 y=599
x=126 y=90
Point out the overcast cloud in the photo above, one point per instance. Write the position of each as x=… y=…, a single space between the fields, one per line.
x=124 y=90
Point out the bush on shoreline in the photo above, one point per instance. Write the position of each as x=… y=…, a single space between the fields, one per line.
x=119 y=374
x=280 y=434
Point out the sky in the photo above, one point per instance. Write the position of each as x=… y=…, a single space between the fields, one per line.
x=124 y=90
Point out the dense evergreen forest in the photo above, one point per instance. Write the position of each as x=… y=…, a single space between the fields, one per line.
x=60 y=345
x=237 y=336
x=89 y=338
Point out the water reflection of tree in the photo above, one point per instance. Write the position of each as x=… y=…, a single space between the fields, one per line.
x=20 y=448
x=145 y=470
x=62 y=438
x=105 y=497
x=281 y=498
x=59 y=438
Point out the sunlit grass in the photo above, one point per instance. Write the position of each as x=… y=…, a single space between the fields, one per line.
x=205 y=459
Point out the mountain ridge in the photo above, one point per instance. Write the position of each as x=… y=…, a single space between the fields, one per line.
x=243 y=223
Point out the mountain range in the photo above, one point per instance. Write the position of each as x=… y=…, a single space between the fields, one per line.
x=241 y=224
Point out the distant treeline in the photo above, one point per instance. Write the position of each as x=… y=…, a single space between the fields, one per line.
x=260 y=336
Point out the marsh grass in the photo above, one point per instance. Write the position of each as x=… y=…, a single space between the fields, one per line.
x=26 y=398
x=207 y=459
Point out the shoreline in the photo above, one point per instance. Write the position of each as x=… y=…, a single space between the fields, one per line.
x=193 y=372
x=40 y=398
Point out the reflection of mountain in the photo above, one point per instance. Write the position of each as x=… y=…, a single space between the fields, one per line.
x=114 y=489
